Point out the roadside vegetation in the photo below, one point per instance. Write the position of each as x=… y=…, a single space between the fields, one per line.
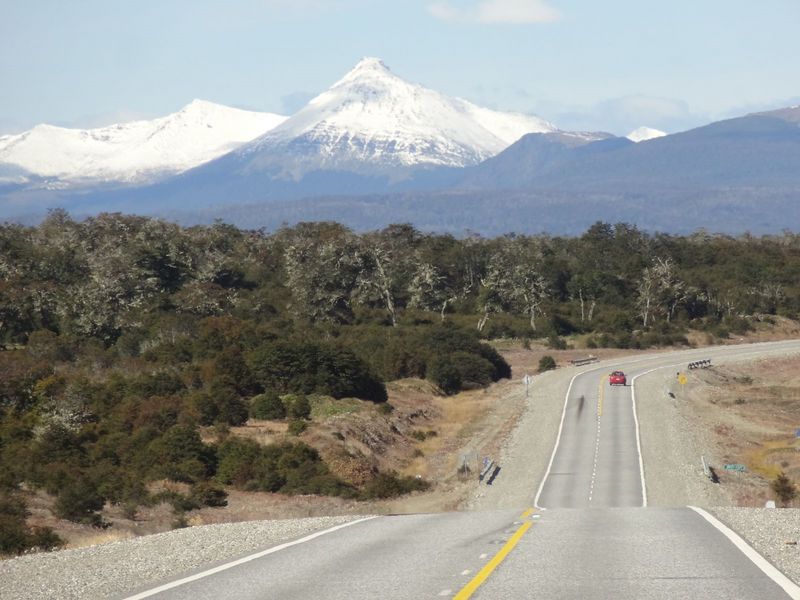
x=132 y=347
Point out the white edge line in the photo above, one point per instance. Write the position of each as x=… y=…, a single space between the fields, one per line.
x=558 y=440
x=636 y=420
x=788 y=586
x=638 y=436
x=240 y=561
x=777 y=347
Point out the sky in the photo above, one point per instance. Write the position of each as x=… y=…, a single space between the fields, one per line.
x=581 y=64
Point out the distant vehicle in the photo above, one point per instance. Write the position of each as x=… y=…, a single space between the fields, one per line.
x=617 y=378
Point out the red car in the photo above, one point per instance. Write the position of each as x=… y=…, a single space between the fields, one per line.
x=617 y=378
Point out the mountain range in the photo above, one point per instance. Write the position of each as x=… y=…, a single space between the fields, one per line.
x=136 y=152
x=373 y=139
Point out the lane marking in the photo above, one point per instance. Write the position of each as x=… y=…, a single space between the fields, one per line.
x=487 y=570
x=482 y=556
x=600 y=392
x=733 y=351
x=558 y=440
x=527 y=513
x=241 y=561
x=788 y=586
x=636 y=422
x=466 y=572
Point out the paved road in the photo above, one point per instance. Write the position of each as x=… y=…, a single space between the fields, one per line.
x=594 y=541
x=405 y=557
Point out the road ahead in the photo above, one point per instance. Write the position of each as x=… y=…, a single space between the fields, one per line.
x=594 y=540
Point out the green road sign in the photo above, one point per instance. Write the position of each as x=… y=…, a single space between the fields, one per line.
x=735 y=467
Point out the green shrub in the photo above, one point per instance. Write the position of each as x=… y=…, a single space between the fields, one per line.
x=785 y=491
x=181 y=455
x=308 y=368
x=297 y=426
x=445 y=375
x=267 y=406
x=297 y=406
x=207 y=493
x=15 y=536
x=389 y=485
x=79 y=501
x=546 y=363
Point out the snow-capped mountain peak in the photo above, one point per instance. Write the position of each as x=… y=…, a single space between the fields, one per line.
x=372 y=120
x=139 y=150
x=642 y=134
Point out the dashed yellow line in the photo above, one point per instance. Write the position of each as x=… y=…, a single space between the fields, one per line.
x=498 y=558
x=484 y=573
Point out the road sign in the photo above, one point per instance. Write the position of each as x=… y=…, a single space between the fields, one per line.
x=527 y=380
x=735 y=467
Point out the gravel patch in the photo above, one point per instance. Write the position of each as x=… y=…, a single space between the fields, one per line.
x=110 y=570
x=526 y=453
x=672 y=444
x=773 y=532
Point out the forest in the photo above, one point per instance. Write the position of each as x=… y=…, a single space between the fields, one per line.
x=121 y=337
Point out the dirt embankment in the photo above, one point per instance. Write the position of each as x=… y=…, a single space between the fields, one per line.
x=753 y=413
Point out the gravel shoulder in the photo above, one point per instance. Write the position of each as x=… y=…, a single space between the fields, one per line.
x=672 y=444
x=674 y=437
x=525 y=455
x=774 y=533
x=112 y=570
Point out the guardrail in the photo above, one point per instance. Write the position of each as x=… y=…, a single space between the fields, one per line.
x=578 y=362
x=488 y=463
x=700 y=364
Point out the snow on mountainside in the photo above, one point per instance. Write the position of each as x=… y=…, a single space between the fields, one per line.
x=136 y=151
x=642 y=134
x=372 y=120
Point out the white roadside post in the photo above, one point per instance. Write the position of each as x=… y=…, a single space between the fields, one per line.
x=527 y=381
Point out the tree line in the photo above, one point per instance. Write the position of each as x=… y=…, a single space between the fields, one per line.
x=123 y=336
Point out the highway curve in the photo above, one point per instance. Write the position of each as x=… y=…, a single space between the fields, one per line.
x=593 y=536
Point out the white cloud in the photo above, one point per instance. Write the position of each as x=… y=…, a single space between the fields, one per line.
x=495 y=11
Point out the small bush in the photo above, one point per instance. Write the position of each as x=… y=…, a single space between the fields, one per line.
x=785 y=491
x=15 y=536
x=445 y=375
x=297 y=406
x=79 y=501
x=207 y=493
x=546 y=363
x=297 y=426
x=555 y=342
x=268 y=406
x=389 y=485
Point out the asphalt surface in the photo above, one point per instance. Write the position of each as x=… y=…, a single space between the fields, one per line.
x=597 y=462
x=594 y=540
x=404 y=557
x=627 y=554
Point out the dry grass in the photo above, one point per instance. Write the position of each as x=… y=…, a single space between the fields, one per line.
x=753 y=410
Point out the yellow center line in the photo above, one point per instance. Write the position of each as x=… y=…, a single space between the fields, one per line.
x=527 y=513
x=478 y=580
